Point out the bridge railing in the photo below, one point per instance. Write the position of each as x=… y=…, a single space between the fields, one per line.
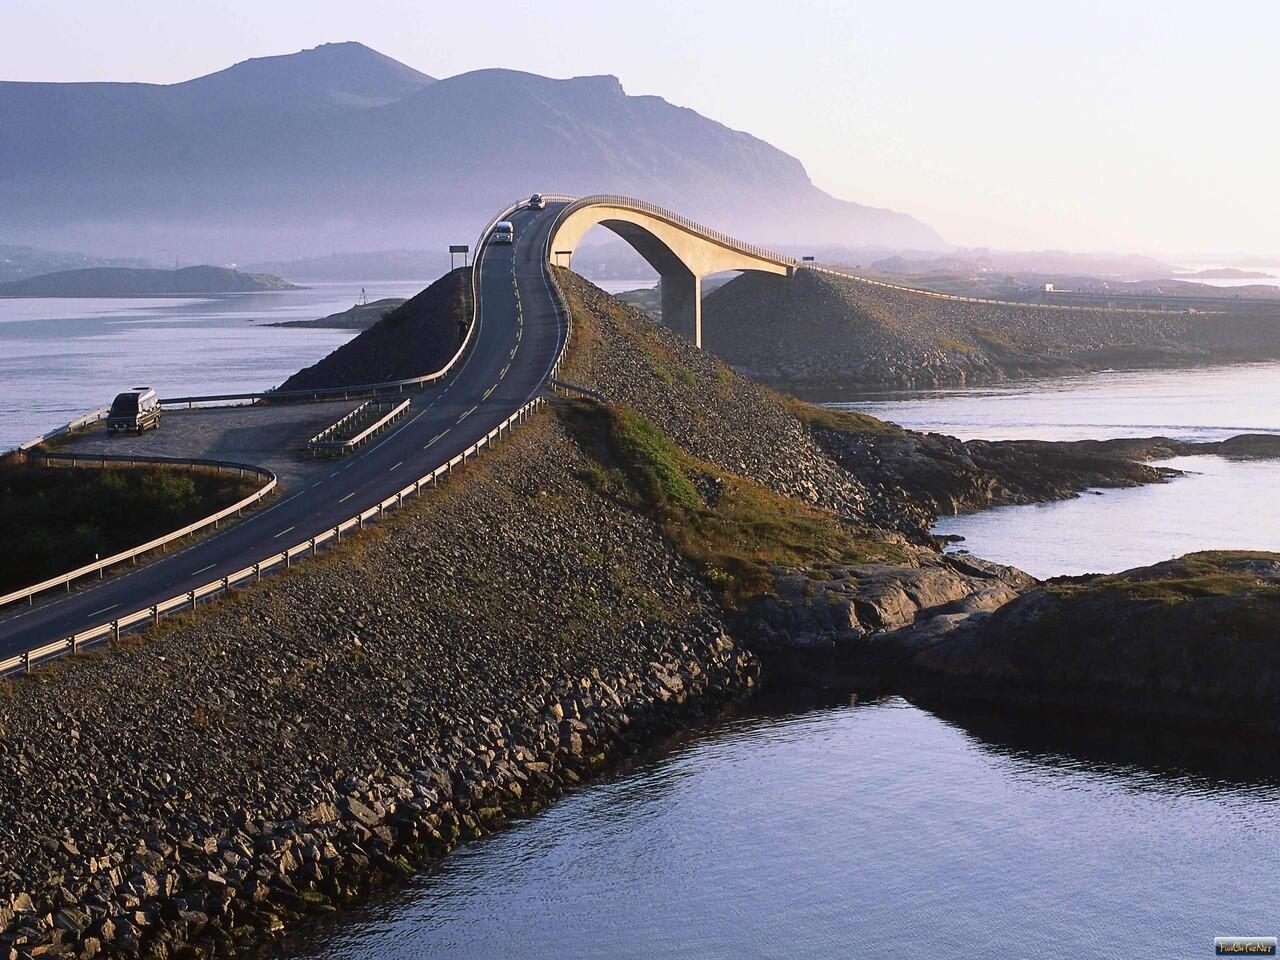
x=159 y=543
x=938 y=295
x=283 y=559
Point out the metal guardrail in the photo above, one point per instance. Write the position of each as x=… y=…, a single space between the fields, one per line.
x=90 y=418
x=323 y=441
x=148 y=616
x=103 y=460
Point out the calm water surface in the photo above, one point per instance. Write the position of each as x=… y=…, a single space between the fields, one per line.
x=871 y=830
x=62 y=357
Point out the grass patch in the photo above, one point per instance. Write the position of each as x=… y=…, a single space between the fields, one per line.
x=838 y=421
x=993 y=341
x=955 y=346
x=57 y=518
x=731 y=528
x=1211 y=573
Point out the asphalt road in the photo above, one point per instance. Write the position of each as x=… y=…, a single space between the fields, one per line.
x=516 y=343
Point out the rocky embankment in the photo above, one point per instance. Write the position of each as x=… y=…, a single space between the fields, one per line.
x=412 y=340
x=212 y=782
x=1192 y=639
x=826 y=334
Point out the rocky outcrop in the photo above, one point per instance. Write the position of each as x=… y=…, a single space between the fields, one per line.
x=414 y=339
x=826 y=334
x=913 y=478
x=851 y=608
x=1187 y=640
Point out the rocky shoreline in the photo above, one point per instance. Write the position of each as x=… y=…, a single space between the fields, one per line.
x=231 y=886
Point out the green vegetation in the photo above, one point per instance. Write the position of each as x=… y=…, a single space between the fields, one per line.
x=955 y=346
x=993 y=341
x=839 y=421
x=733 y=529
x=1210 y=573
x=647 y=301
x=56 y=519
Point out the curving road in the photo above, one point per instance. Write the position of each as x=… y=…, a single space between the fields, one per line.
x=517 y=340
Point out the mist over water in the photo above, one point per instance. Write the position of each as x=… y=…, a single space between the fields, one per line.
x=60 y=358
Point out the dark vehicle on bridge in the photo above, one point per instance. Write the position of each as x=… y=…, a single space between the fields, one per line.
x=537 y=203
x=504 y=232
x=134 y=411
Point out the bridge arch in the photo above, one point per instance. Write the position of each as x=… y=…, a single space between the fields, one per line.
x=681 y=251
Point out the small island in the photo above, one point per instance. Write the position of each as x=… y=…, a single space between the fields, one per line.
x=143 y=282
x=1224 y=273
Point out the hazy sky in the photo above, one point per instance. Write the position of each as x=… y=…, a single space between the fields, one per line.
x=1087 y=125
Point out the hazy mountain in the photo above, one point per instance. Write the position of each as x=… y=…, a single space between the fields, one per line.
x=340 y=148
x=141 y=282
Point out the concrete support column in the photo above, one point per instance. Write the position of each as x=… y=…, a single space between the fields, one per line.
x=682 y=303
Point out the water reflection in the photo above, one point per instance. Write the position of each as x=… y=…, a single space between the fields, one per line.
x=1142 y=754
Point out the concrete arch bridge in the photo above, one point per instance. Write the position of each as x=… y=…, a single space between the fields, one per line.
x=681 y=251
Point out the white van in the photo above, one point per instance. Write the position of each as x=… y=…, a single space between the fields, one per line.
x=504 y=232
x=134 y=411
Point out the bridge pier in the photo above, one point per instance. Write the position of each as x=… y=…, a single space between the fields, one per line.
x=682 y=303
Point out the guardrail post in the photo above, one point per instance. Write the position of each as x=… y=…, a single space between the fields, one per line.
x=257 y=573
x=115 y=633
x=288 y=560
x=26 y=662
x=226 y=584
x=337 y=533
x=155 y=615
x=313 y=546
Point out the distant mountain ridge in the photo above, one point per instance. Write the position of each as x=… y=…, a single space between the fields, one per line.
x=141 y=282
x=342 y=148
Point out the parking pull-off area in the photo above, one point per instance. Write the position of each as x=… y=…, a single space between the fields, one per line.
x=267 y=435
